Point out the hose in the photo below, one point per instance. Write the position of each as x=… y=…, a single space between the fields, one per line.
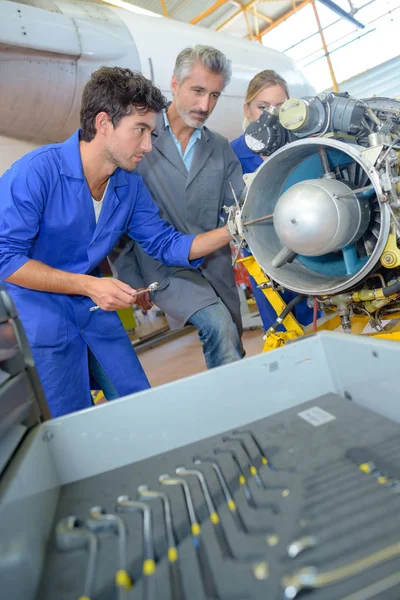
x=288 y=308
x=390 y=290
x=396 y=140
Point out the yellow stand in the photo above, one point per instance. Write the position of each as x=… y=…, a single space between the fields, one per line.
x=294 y=330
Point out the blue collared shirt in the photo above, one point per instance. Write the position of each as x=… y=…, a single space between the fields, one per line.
x=188 y=156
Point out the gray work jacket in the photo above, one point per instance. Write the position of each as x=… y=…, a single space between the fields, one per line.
x=192 y=202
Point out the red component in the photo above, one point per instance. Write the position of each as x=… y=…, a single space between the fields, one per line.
x=240 y=271
x=315 y=314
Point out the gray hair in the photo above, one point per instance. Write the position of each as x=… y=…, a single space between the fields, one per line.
x=211 y=59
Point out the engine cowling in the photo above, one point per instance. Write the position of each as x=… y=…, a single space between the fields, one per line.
x=329 y=210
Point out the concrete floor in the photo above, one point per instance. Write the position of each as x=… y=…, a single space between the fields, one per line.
x=183 y=357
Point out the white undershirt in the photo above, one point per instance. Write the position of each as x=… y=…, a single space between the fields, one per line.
x=98 y=204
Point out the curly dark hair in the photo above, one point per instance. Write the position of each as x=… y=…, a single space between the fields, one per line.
x=116 y=91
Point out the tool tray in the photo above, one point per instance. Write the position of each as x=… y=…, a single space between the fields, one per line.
x=299 y=474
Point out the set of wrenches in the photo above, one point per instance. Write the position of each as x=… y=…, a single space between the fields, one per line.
x=324 y=519
x=73 y=533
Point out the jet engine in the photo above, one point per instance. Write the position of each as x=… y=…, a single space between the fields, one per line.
x=321 y=215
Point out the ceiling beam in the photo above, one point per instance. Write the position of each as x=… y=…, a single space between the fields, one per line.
x=249 y=29
x=325 y=47
x=208 y=11
x=164 y=8
x=257 y=26
x=237 y=13
x=256 y=36
x=261 y=16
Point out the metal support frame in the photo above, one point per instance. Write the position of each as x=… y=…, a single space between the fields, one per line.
x=261 y=15
x=208 y=11
x=257 y=36
x=328 y=323
x=341 y=13
x=291 y=12
x=293 y=328
x=325 y=47
x=244 y=8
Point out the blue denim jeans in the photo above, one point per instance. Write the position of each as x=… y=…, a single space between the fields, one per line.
x=100 y=376
x=218 y=334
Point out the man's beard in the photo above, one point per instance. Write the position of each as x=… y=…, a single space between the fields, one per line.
x=129 y=167
x=186 y=116
x=121 y=163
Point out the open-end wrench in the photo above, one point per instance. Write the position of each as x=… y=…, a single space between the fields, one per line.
x=152 y=288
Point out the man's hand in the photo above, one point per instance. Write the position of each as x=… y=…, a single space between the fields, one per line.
x=110 y=294
x=206 y=243
x=144 y=300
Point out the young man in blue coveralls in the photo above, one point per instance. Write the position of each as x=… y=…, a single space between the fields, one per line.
x=63 y=208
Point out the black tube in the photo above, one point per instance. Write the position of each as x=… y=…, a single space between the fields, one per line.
x=390 y=290
x=286 y=311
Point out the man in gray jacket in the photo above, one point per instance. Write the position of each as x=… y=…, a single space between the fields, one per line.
x=188 y=174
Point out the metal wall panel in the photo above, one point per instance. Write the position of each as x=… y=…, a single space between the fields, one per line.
x=382 y=80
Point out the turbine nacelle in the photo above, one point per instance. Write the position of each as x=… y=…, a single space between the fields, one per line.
x=329 y=224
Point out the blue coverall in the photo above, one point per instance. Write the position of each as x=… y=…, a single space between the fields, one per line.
x=46 y=214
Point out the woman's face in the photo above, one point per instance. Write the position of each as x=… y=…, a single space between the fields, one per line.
x=273 y=95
